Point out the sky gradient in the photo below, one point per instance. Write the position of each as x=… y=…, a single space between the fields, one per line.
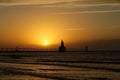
x=31 y=23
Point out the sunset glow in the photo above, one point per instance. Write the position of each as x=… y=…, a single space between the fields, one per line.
x=46 y=43
x=59 y=39
x=46 y=22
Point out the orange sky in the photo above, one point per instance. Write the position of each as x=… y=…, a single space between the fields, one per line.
x=33 y=23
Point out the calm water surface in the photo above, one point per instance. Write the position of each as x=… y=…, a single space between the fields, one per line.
x=60 y=66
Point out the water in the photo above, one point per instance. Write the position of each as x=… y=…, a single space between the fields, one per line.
x=60 y=66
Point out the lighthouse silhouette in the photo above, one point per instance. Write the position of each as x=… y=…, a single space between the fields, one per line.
x=62 y=48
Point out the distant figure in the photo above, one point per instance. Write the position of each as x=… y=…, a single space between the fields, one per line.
x=62 y=48
x=86 y=48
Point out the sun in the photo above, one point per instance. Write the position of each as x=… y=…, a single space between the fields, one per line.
x=45 y=43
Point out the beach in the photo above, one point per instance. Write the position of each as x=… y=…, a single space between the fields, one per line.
x=60 y=66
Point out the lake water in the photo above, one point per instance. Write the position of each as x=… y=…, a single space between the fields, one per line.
x=60 y=66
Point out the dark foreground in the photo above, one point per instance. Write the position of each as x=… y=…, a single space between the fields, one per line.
x=60 y=66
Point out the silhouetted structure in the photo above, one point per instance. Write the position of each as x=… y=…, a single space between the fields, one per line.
x=62 y=48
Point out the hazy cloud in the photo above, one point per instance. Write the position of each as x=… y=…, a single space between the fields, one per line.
x=92 y=9
x=95 y=1
x=62 y=2
x=33 y=1
x=69 y=6
x=75 y=29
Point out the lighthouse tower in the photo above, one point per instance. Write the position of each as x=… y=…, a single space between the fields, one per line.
x=62 y=48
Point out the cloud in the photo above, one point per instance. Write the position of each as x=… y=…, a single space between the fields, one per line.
x=32 y=1
x=11 y=1
x=67 y=6
x=86 y=6
x=88 y=12
x=5 y=1
x=83 y=2
x=61 y=2
x=75 y=29
x=92 y=9
x=95 y=1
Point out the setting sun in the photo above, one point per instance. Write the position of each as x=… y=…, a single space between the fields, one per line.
x=46 y=43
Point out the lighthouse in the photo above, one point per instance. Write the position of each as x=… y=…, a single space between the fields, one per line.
x=62 y=48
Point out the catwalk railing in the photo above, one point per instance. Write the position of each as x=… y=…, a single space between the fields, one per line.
x=38 y=50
